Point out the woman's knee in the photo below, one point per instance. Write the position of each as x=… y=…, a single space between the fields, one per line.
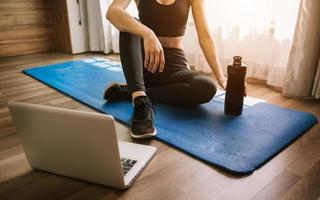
x=205 y=89
x=130 y=49
x=127 y=38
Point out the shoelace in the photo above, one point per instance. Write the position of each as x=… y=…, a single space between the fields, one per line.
x=144 y=109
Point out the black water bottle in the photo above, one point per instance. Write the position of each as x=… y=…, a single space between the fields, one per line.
x=235 y=90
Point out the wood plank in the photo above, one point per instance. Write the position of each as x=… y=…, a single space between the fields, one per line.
x=9 y=141
x=27 y=47
x=21 y=181
x=14 y=80
x=7 y=131
x=48 y=186
x=28 y=33
x=26 y=27
x=9 y=18
x=308 y=187
x=24 y=5
x=60 y=23
x=278 y=186
x=27 y=95
x=26 y=87
x=95 y=192
x=302 y=165
x=12 y=167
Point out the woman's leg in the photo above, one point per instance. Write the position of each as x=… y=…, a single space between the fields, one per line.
x=131 y=56
x=132 y=61
x=177 y=85
x=183 y=88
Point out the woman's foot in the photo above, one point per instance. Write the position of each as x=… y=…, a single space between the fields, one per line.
x=117 y=92
x=142 y=121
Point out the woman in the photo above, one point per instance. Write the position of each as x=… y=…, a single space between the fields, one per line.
x=153 y=61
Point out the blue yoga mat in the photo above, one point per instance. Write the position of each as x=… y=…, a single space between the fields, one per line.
x=238 y=145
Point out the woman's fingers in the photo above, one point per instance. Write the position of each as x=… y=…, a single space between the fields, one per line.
x=151 y=61
x=245 y=89
x=162 y=61
x=154 y=58
x=156 y=62
x=146 y=59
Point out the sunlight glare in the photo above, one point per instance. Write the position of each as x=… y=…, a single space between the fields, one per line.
x=253 y=15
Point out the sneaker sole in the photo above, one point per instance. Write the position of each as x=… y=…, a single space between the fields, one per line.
x=149 y=135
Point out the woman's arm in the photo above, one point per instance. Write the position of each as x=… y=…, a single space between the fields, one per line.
x=123 y=21
x=206 y=42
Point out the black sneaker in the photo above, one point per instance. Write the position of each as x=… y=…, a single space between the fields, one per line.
x=117 y=92
x=142 y=121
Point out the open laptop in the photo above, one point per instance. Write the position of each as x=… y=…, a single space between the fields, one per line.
x=78 y=144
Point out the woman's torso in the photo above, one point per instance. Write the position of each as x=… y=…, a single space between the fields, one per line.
x=171 y=33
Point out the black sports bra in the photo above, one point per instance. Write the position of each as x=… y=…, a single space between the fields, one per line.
x=165 y=20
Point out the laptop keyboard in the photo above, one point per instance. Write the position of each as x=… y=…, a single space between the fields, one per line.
x=127 y=164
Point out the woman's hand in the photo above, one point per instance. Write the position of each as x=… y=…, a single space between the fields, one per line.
x=154 y=56
x=222 y=82
x=245 y=88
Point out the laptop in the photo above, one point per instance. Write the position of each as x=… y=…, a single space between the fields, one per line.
x=77 y=144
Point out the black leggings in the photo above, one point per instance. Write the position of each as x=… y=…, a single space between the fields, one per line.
x=177 y=85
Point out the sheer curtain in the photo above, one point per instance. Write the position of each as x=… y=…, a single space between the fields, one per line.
x=99 y=29
x=259 y=31
x=102 y=35
x=303 y=75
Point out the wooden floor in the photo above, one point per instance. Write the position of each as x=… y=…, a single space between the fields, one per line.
x=293 y=174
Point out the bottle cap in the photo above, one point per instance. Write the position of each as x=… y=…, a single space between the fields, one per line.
x=237 y=60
